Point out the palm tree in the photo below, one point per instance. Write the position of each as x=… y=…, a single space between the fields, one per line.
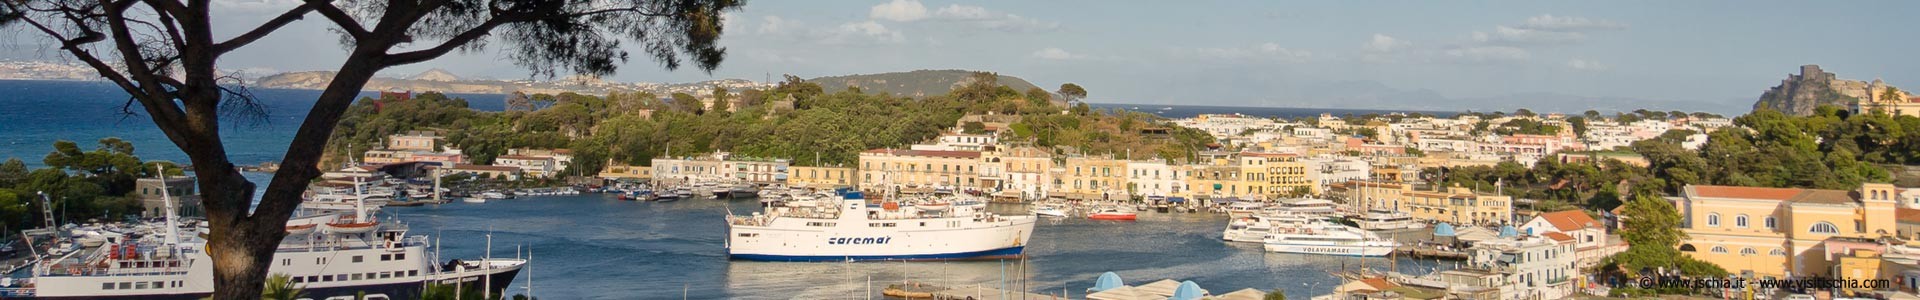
x=281 y=287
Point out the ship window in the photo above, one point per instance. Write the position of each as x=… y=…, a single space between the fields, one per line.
x=749 y=234
x=106 y=286
x=313 y=278
x=126 y=285
x=386 y=257
x=357 y=258
x=411 y=273
x=140 y=285
x=399 y=256
x=286 y=261
x=385 y=275
x=299 y=279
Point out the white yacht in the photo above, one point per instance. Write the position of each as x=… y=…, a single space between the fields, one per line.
x=1387 y=220
x=1255 y=228
x=847 y=228
x=1328 y=238
x=331 y=254
x=1050 y=210
x=1244 y=209
x=1305 y=206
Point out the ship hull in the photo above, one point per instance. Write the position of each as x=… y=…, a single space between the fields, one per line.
x=406 y=290
x=907 y=239
x=1366 y=251
x=1009 y=252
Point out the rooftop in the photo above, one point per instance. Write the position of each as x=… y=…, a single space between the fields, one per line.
x=1570 y=220
x=929 y=153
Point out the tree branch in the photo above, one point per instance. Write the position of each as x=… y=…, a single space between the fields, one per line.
x=259 y=32
x=340 y=18
x=450 y=44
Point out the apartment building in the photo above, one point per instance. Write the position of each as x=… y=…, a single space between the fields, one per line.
x=883 y=169
x=1760 y=232
x=1455 y=205
x=822 y=177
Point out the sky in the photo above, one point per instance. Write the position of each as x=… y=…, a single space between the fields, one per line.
x=1558 y=55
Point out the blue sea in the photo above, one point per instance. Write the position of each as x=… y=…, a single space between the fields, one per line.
x=594 y=247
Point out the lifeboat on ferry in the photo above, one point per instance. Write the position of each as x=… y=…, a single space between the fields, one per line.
x=890 y=206
x=351 y=228
x=1112 y=215
x=301 y=229
x=934 y=206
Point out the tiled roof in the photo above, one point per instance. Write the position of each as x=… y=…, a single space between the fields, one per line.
x=1558 y=236
x=1378 y=283
x=1744 y=192
x=1907 y=215
x=1570 y=220
x=931 y=153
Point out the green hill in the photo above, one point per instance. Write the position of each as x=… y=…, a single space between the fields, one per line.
x=919 y=83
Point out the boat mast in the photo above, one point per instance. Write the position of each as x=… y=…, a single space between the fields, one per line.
x=173 y=227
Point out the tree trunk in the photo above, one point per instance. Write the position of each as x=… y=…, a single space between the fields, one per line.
x=242 y=244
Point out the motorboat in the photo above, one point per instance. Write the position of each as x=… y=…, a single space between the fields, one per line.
x=1112 y=214
x=1050 y=210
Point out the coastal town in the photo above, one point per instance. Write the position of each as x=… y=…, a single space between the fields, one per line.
x=958 y=150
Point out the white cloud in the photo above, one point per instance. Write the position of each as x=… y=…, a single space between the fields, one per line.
x=1586 y=65
x=777 y=25
x=1383 y=43
x=1513 y=35
x=867 y=30
x=964 y=12
x=1051 y=53
x=1261 y=52
x=899 y=11
x=860 y=32
x=978 y=17
x=1565 y=23
x=1488 y=54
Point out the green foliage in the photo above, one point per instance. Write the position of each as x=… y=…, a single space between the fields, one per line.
x=973 y=128
x=1651 y=227
x=281 y=287
x=1276 y=294
x=1073 y=92
x=1526 y=126
x=12 y=172
x=464 y=292
x=1828 y=150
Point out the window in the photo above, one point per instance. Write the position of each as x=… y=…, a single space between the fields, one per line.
x=1777 y=252
x=1713 y=220
x=286 y=261
x=1748 y=251
x=1740 y=221
x=1824 y=227
x=1719 y=249
x=126 y=285
x=386 y=257
x=140 y=285
x=106 y=286
x=357 y=258
x=399 y=256
x=1770 y=222
x=411 y=273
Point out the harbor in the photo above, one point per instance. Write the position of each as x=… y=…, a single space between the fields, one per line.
x=665 y=249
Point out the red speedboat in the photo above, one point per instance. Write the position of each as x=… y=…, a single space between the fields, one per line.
x=1111 y=214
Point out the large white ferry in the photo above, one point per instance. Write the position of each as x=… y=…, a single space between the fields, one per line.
x=330 y=254
x=850 y=229
x=1255 y=228
x=1322 y=237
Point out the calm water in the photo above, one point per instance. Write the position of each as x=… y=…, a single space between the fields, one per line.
x=593 y=247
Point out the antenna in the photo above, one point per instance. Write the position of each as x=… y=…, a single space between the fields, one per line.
x=173 y=227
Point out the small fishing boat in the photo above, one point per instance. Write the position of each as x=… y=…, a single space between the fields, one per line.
x=474 y=200
x=1112 y=214
x=1050 y=210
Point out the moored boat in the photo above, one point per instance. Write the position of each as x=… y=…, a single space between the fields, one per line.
x=1112 y=214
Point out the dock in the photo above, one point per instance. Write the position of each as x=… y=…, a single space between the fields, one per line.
x=974 y=292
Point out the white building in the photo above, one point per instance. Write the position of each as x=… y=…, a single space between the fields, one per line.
x=956 y=141
x=1532 y=267
x=1323 y=171
x=1591 y=244
x=1154 y=178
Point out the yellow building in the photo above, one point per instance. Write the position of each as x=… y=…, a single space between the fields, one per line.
x=1456 y=205
x=882 y=169
x=1093 y=178
x=617 y=171
x=1777 y=232
x=821 y=177
x=1275 y=175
